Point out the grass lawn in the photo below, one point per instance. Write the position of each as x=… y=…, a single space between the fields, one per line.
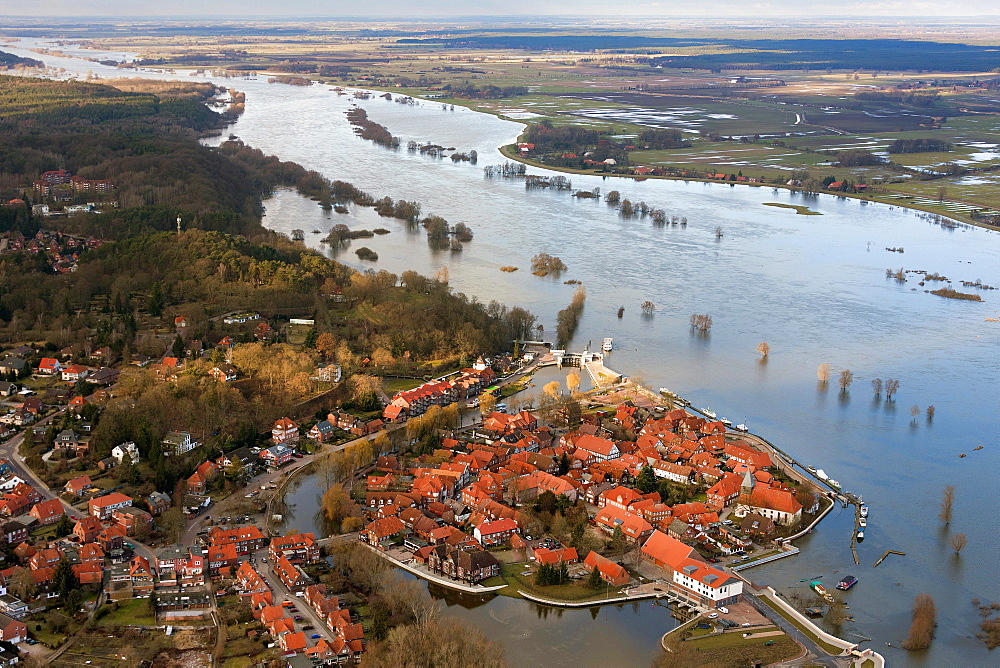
x=133 y=611
x=392 y=385
x=575 y=591
x=732 y=649
x=828 y=648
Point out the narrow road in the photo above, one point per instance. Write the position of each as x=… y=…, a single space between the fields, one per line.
x=815 y=653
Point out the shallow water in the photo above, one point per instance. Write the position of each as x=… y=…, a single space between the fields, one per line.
x=814 y=287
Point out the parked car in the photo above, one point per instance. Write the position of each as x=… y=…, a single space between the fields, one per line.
x=298 y=618
x=713 y=615
x=723 y=610
x=308 y=627
x=315 y=636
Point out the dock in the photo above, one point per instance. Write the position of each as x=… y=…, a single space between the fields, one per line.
x=887 y=553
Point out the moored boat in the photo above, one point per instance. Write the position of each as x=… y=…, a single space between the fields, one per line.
x=861 y=535
x=864 y=510
x=726 y=421
x=847 y=582
x=709 y=412
x=608 y=344
x=742 y=427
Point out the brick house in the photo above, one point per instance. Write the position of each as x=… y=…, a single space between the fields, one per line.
x=47 y=512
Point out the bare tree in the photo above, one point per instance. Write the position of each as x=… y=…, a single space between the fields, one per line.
x=823 y=373
x=877 y=386
x=718 y=231
x=648 y=307
x=573 y=381
x=764 y=348
x=914 y=412
x=891 y=386
x=702 y=321
x=957 y=542
x=846 y=378
x=947 y=503
x=930 y=412
x=924 y=621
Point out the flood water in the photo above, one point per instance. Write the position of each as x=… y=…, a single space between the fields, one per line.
x=814 y=287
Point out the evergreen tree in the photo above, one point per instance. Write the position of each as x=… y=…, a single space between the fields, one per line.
x=595 y=581
x=646 y=482
x=65 y=526
x=563 y=575
x=178 y=347
x=563 y=464
x=64 y=580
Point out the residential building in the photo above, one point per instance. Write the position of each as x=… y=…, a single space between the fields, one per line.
x=48 y=512
x=246 y=539
x=496 y=532
x=178 y=442
x=277 y=455
x=130 y=449
x=612 y=573
x=296 y=548
x=285 y=430
x=12 y=630
x=103 y=506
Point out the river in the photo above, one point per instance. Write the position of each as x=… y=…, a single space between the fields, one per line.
x=814 y=287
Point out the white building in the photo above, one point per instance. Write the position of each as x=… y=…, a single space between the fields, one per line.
x=119 y=452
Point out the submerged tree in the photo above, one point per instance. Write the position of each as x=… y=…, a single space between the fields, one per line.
x=846 y=378
x=891 y=387
x=823 y=373
x=947 y=504
x=924 y=621
x=701 y=321
x=958 y=542
x=877 y=386
x=764 y=348
x=648 y=307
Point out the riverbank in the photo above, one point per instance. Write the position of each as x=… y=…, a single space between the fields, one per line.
x=509 y=152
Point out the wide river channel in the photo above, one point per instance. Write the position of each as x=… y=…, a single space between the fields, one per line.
x=814 y=287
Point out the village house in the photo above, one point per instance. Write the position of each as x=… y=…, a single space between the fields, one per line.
x=78 y=486
x=284 y=431
x=48 y=512
x=612 y=573
x=12 y=630
x=132 y=519
x=689 y=576
x=296 y=548
x=49 y=366
x=496 y=532
x=120 y=451
x=87 y=528
x=380 y=532
x=322 y=431
x=103 y=506
x=246 y=539
x=291 y=576
x=472 y=566
x=778 y=505
x=177 y=443
x=70 y=440
x=277 y=455
x=224 y=373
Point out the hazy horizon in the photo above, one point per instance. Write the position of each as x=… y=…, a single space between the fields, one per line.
x=58 y=10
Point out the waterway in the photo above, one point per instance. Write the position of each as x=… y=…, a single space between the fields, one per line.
x=814 y=287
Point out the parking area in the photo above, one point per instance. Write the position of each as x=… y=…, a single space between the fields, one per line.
x=743 y=613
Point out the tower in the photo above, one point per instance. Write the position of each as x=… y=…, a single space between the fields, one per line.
x=746 y=487
x=178 y=224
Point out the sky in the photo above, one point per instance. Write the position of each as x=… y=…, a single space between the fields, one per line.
x=404 y=9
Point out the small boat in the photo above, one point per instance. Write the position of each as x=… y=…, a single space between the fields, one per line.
x=742 y=427
x=608 y=344
x=862 y=523
x=709 y=412
x=821 y=474
x=811 y=469
x=861 y=535
x=847 y=582
x=818 y=587
x=726 y=421
x=864 y=510
x=834 y=483
x=317 y=232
